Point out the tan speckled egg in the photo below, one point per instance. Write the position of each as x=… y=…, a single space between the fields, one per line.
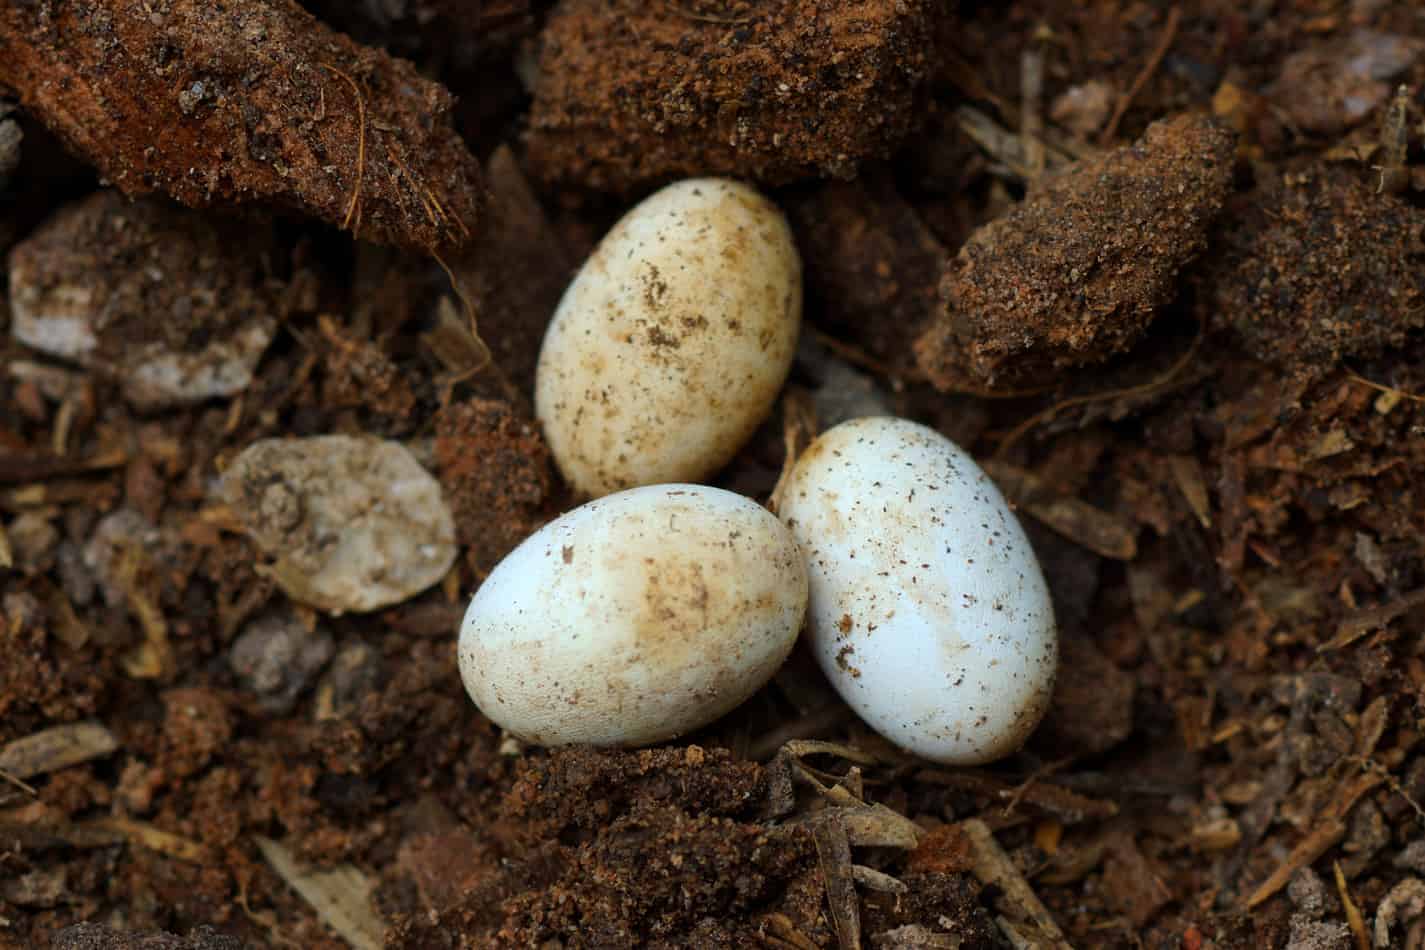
x=634 y=618
x=928 y=611
x=671 y=344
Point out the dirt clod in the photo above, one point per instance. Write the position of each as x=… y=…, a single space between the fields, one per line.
x=1318 y=268
x=1075 y=273
x=629 y=95
x=251 y=102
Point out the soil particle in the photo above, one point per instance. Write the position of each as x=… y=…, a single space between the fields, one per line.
x=10 y=138
x=1337 y=82
x=250 y=102
x=661 y=846
x=1075 y=273
x=496 y=472
x=629 y=95
x=197 y=726
x=276 y=657
x=877 y=266
x=89 y=936
x=516 y=275
x=1092 y=708
x=1317 y=267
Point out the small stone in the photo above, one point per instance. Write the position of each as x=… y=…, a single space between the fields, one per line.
x=1307 y=893
x=114 y=535
x=32 y=542
x=351 y=524
x=174 y=304
x=276 y=657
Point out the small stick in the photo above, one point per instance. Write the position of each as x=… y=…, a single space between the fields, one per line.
x=1170 y=30
x=1353 y=913
x=1153 y=384
x=993 y=866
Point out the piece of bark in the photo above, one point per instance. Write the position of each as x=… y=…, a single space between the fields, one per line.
x=250 y=102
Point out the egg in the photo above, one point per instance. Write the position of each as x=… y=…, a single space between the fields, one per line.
x=928 y=612
x=634 y=618
x=669 y=347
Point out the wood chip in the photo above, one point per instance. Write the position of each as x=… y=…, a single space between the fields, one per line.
x=340 y=895
x=1362 y=622
x=1018 y=901
x=155 y=839
x=784 y=933
x=50 y=750
x=874 y=825
x=833 y=850
x=878 y=881
x=1187 y=473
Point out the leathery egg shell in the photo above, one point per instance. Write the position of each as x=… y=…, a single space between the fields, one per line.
x=634 y=618
x=928 y=610
x=671 y=344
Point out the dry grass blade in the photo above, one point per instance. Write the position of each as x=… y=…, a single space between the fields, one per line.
x=993 y=866
x=154 y=839
x=799 y=428
x=833 y=850
x=1353 y=913
x=50 y=750
x=800 y=748
x=340 y=896
x=1326 y=831
x=1170 y=30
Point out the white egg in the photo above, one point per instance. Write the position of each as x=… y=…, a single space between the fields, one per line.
x=928 y=610
x=671 y=344
x=634 y=618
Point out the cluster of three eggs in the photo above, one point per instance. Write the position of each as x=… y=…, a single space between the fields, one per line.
x=661 y=605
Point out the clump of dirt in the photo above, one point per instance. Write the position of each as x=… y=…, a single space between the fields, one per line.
x=629 y=95
x=1074 y=273
x=99 y=937
x=86 y=285
x=1316 y=267
x=496 y=472
x=670 y=848
x=253 y=102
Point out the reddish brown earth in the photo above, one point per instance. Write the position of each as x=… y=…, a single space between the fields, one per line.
x=1159 y=267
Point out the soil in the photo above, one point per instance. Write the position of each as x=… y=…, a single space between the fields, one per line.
x=1158 y=266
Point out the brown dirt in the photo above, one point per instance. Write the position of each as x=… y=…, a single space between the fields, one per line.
x=631 y=95
x=1074 y=273
x=1225 y=479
